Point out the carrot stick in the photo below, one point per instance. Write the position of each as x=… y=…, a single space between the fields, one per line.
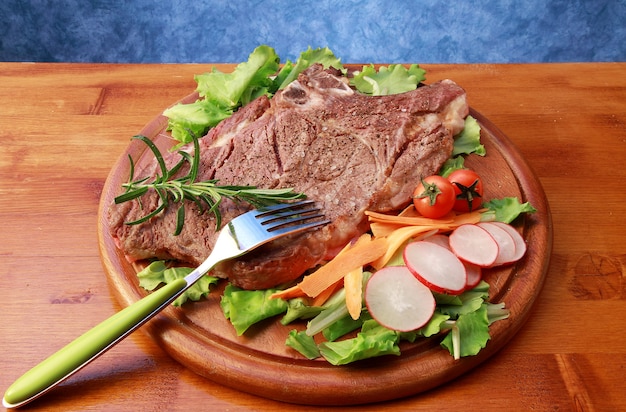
x=396 y=239
x=353 y=284
x=380 y=229
x=405 y=220
x=363 y=252
x=470 y=217
x=409 y=211
x=327 y=293
x=289 y=293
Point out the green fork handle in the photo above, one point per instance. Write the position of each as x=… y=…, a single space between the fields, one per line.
x=89 y=346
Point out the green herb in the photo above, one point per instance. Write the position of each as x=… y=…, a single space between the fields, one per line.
x=207 y=195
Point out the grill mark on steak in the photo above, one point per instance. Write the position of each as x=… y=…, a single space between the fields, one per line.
x=347 y=151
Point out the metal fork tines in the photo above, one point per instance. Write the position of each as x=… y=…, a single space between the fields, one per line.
x=266 y=224
x=287 y=216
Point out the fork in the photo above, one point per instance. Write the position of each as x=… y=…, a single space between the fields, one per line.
x=240 y=235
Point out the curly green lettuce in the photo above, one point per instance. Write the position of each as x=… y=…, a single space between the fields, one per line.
x=157 y=273
x=387 y=80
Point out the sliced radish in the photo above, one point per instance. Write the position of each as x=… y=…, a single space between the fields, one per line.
x=520 y=244
x=474 y=275
x=397 y=300
x=506 y=245
x=474 y=244
x=436 y=267
x=439 y=239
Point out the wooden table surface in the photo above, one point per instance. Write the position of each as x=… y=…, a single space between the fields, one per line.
x=62 y=127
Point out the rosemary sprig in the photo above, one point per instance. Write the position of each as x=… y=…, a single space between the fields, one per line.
x=207 y=195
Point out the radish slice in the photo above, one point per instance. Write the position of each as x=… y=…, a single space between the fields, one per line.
x=506 y=245
x=474 y=244
x=474 y=275
x=397 y=300
x=439 y=239
x=520 y=244
x=436 y=267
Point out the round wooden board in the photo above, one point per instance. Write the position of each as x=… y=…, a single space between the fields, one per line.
x=199 y=337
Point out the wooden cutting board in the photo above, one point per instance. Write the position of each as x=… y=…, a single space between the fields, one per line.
x=199 y=337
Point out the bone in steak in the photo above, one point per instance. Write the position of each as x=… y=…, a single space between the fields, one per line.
x=347 y=151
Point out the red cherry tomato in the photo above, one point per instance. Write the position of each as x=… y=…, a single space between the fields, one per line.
x=434 y=197
x=468 y=189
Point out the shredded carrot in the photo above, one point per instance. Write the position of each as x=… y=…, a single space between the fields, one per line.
x=380 y=229
x=470 y=217
x=409 y=211
x=396 y=239
x=289 y=293
x=327 y=293
x=353 y=284
x=407 y=220
x=363 y=252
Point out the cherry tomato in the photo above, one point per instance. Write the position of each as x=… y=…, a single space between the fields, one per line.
x=434 y=197
x=468 y=189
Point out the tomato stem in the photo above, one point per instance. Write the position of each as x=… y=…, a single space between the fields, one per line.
x=431 y=191
x=468 y=193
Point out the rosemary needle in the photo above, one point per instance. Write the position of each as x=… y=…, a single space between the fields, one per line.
x=207 y=195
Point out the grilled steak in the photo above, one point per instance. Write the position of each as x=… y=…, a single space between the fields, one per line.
x=348 y=151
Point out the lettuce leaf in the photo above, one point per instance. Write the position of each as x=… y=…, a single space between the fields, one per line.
x=373 y=340
x=244 y=308
x=471 y=330
x=303 y=343
x=469 y=316
x=194 y=119
x=344 y=326
x=468 y=141
x=390 y=79
x=249 y=79
x=434 y=325
x=157 y=273
x=506 y=209
x=452 y=164
x=307 y=58
x=222 y=93
x=298 y=308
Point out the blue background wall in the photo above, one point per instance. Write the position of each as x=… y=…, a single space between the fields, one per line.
x=428 y=31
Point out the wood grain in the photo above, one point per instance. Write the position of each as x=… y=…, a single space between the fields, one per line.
x=63 y=126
